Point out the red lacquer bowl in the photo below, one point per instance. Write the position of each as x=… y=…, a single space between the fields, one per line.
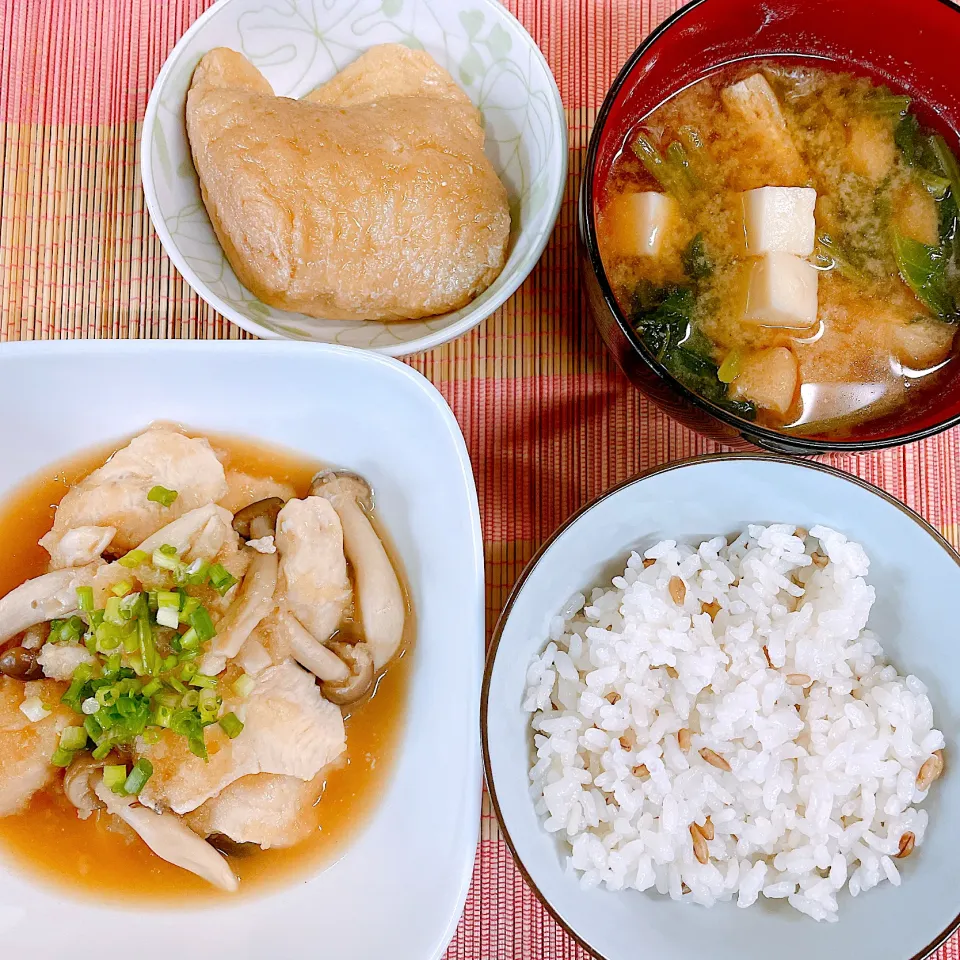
x=911 y=47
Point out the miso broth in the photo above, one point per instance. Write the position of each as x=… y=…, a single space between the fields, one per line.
x=814 y=309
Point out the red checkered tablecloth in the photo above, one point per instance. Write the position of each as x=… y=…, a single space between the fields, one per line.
x=549 y=421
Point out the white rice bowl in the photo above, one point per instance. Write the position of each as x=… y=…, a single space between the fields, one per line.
x=824 y=739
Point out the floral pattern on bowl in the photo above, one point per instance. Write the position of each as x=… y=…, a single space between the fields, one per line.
x=298 y=44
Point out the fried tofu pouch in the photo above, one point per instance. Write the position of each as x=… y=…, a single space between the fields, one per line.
x=369 y=199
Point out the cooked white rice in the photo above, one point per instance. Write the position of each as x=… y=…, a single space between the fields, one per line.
x=823 y=779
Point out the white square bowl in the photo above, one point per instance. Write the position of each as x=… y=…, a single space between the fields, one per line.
x=399 y=888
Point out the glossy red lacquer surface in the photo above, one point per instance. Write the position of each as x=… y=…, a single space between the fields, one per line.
x=911 y=45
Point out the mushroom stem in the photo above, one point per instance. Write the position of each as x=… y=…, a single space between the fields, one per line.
x=379 y=596
x=310 y=653
x=170 y=839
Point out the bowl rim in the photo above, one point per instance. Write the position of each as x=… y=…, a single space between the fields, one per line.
x=588 y=235
x=473 y=318
x=494 y=647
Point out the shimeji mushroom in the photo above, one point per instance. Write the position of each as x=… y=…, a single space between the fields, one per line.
x=168 y=837
x=379 y=597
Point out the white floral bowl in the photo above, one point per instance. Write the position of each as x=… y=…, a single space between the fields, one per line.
x=298 y=44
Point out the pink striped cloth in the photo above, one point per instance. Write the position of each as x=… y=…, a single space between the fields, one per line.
x=549 y=421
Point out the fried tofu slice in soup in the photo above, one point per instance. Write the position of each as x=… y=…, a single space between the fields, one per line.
x=115 y=495
x=346 y=207
x=289 y=729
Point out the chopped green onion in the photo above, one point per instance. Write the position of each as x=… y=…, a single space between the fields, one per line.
x=221 y=579
x=168 y=617
x=131 y=643
x=102 y=750
x=190 y=605
x=85 y=599
x=188 y=671
x=154 y=686
x=202 y=680
x=201 y=622
x=190 y=699
x=112 y=612
x=114 y=776
x=107 y=696
x=130 y=605
x=231 y=725
x=168 y=599
x=197 y=747
x=122 y=589
x=162 y=495
x=73 y=738
x=163 y=715
x=151 y=736
x=177 y=685
x=164 y=561
x=168 y=550
x=142 y=771
x=134 y=559
x=170 y=662
x=197 y=572
x=189 y=640
x=92 y=725
x=244 y=685
x=61 y=757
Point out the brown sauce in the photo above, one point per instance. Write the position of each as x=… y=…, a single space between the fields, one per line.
x=94 y=859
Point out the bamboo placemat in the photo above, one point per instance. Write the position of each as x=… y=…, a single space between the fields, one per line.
x=549 y=421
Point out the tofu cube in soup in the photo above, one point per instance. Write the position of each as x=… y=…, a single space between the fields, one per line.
x=769 y=378
x=639 y=222
x=779 y=219
x=782 y=292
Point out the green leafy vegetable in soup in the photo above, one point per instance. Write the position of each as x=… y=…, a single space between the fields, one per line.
x=785 y=240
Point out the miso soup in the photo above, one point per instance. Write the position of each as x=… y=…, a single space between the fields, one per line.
x=784 y=239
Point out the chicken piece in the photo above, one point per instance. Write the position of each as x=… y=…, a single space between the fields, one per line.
x=80 y=546
x=915 y=214
x=759 y=122
x=244 y=489
x=388 y=70
x=263 y=808
x=313 y=582
x=769 y=378
x=26 y=746
x=288 y=729
x=348 y=210
x=870 y=147
x=115 y=495
x=169 y=838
